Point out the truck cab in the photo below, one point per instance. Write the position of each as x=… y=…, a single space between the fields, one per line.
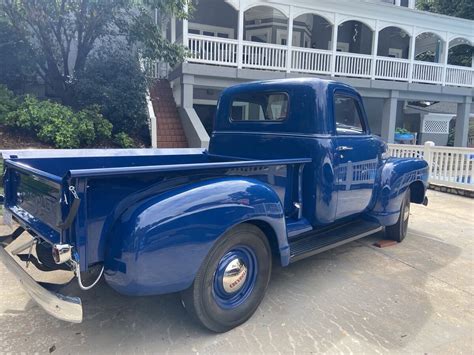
x=292 y=170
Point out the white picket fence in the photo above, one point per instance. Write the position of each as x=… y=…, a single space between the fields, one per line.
x=449 y=166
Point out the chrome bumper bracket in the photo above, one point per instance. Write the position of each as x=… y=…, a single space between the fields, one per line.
x=63 y=307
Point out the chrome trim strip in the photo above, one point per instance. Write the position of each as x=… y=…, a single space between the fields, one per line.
x=62 y=307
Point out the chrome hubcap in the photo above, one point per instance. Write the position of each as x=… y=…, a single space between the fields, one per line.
x=235 y=275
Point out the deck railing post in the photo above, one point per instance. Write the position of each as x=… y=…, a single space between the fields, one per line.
x=412 y=54
x=185 y=29
x=334 y=45
x=240 y=37
x=375 y=47
x=445 y=58
x=427 y=154
x=289 y=41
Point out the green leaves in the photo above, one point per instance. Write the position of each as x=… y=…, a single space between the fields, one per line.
x=457 y=8
x=123 y=140
x=113 y=80
x=59 y=125
x=8 y=103
x=61 y=34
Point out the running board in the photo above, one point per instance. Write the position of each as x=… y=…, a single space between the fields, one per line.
x=317 y=242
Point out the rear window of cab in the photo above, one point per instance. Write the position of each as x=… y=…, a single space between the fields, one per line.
x=259 y=107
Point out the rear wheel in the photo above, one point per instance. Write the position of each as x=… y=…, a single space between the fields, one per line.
x=399 y=230
x=232 y=281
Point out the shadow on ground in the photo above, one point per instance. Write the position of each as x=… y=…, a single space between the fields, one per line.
x=352 y=299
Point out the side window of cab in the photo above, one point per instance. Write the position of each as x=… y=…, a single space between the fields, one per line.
x=347 y=115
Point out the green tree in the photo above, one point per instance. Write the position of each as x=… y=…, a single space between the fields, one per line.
x=462 y=53
x=456 y=8
x=63 y=33
x=16 y=68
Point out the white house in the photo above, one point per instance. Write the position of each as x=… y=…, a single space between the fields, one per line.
x=391 y=52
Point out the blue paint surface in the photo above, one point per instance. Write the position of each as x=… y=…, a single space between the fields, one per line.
x=152 y=218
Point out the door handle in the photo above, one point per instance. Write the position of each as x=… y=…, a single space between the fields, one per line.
x=342 y=148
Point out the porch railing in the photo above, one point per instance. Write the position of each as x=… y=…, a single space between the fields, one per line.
x=392 y=68
x=448 y=166
x=225 y=52
x=352 y=64
x=264 y=56
x=425 y=72
x=459 y=76
x=212 y=50
x=306 y=60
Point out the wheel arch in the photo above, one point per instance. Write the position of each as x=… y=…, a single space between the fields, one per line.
x=279 y=248
x=396 y=176
x=417 y=192
x=176 y=230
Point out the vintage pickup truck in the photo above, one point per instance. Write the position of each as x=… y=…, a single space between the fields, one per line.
x=292 y=170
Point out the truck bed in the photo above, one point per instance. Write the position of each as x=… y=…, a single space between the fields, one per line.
x=106 y=184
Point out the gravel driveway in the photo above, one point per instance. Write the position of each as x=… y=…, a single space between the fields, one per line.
x=416 y=296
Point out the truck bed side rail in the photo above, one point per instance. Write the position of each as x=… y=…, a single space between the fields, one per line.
x=107 y=172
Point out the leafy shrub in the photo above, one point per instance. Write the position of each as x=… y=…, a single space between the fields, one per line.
x=123 y=140
x=59 y=125
x=113 y=80
x=8 y=103
x=401 y=130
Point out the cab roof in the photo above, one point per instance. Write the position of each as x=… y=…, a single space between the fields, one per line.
x=293 y=83
x=310 y=105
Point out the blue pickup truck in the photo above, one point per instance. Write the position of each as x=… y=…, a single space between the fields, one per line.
x=292 y=170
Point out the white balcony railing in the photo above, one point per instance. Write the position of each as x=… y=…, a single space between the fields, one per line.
x=459 y=76
x=306 y=60
x=212 y=50
x=448 y=166
x=392 y=68
x=352 y=64
x=266 y=56
x=425 y=72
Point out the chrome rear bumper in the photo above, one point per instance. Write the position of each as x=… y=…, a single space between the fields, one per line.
x=66 y=308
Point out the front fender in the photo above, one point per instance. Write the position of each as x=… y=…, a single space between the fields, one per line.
x=158 y=245
x=396 y=175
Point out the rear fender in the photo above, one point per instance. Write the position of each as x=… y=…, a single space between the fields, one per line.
x=158 y=245
x=396 y=175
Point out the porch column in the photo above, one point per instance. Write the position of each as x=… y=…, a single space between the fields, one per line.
x=334 y=45
x=375 y=47
x=240 y=37
x=187 y=85
x=411 y=54
x=173 y=29
x=462 y=122
x=185 y=28
x=289 y=41
x=389 y=117
x=445 y=58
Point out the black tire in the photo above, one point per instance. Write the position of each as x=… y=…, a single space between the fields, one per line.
x=203 y=299
x=398 y=231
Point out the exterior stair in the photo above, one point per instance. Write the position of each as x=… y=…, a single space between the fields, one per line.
x=168 y=124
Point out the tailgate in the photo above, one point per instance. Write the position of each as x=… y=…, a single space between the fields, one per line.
x=34 y=200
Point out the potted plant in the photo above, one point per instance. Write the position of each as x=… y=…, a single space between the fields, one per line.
x=402 y=135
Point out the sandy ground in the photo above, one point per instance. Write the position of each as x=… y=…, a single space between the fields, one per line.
x=415 y=297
